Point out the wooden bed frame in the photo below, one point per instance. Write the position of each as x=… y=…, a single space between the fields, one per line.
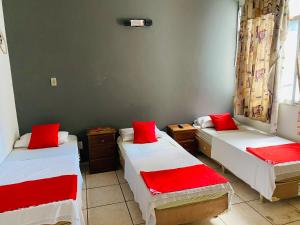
x=286 y=188
x=191 y=212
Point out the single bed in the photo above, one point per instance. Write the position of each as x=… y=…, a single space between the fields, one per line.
x=228 y=148
x=23 y=165
x=175 y=207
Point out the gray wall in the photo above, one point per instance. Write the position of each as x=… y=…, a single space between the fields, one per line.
x=108 y=74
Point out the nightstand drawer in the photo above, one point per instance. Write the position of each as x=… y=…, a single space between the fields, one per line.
x=101 y=139
x=102 y=149
x=180 y=136
x=189 y=145
x=104 y=164
x=99 y=150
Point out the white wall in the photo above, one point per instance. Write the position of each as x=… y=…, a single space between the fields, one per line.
x=9 y=130
x=287 y=121
x=254 y=123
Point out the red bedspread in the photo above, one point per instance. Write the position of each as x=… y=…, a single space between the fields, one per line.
x=181 y=179
x=37 y=192
x=278 y=153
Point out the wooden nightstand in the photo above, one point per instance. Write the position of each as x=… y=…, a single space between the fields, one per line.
x=102 y=149
x=184 y=136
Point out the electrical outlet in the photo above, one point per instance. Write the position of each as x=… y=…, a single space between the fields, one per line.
x=53 y=81
x=80 y=145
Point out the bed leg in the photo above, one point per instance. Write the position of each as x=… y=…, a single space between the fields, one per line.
x=261 y=198
x=223 y=169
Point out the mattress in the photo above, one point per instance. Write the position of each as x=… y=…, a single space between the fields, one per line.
x=207 y=134
x=261 y=176
x=163 y=154
x=228 y=146
x=67 y=149
x=24 y=165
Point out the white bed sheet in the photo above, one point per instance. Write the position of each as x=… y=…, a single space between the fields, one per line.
x=24 y=165
x=68 y=148
x=207 y=134
x=230 y=150
x=164 y=154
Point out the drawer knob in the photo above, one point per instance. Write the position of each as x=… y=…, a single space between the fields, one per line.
x=102 y=140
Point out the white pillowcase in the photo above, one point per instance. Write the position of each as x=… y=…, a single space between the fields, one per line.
x=204 y=122
x=24 y=140
x=63 y=137
x=127 y=134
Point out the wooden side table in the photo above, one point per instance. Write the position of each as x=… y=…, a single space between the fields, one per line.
x=102 y=149
x=184 y=136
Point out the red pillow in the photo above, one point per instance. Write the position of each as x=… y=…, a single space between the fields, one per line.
x=144 y=132
x=223 y=122
x=44 y=136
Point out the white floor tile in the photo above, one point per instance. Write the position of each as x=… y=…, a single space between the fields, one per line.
x=135 y=212
x=244 y=191
x=127 y=192
x=236 y=199
x=84 y=212
x=115 y=214
x=101 y=179
x=209 y=162
x=213 y=221
x=83 y=197
x=295 y=202
x=294 y=223
x=242 y=214
x=120 y=174
x=276 y=212
x=104 y=196
x=232 y=178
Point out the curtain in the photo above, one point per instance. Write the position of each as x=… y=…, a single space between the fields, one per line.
x=262 y=34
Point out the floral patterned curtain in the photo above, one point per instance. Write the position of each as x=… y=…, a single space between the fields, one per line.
x=262 y=34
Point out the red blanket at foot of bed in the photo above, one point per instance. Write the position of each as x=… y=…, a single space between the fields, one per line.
x=278 y=153
x=37 y=192
x=181 y=179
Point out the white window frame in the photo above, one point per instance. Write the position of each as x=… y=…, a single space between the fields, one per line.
x=294 y=101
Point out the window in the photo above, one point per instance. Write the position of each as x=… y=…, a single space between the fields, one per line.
x=294 y=8
x=288 y=86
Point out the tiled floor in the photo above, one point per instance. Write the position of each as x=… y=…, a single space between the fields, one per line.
x=108 y=200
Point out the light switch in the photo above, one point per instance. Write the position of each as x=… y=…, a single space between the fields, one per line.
x=53 y=81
